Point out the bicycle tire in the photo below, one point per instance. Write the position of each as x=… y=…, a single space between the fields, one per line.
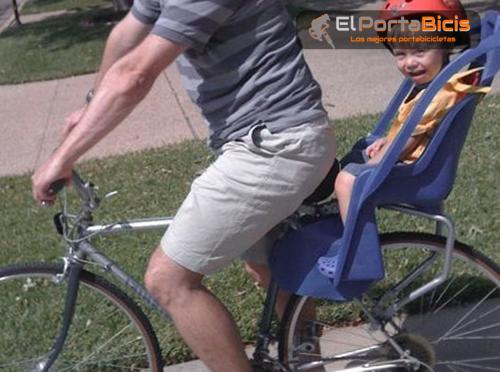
x=109 y=332
x=464 y=337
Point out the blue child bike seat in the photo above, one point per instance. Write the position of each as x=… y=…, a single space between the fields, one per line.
x=351 y=258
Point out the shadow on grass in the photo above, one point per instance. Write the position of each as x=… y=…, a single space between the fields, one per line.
x=64 y=31
x=46 y=3
x=43 y=6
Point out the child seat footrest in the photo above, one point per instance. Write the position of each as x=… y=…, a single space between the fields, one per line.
x=327 y=266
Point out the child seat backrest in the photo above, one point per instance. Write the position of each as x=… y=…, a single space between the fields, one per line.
x=428 y=181
x=491 y=60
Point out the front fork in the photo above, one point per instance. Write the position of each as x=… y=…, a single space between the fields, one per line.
x=74 y=268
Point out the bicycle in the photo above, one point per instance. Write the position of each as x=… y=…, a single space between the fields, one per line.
x=43 y=295
x=436 y=308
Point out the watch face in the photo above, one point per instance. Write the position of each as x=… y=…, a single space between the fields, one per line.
x=90 y=95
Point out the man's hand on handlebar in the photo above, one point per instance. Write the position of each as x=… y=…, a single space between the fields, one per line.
x=48 y=180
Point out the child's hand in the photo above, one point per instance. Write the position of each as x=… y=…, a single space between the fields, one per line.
x=375 y=147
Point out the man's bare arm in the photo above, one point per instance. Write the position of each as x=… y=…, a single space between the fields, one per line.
x=123 y=86
x=125 y=36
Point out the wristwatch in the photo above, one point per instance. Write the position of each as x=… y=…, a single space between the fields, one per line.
x=90 y=95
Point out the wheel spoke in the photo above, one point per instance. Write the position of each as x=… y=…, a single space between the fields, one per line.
x=460 y=335
x=476 y=319
x=458 y=319
x=108 y=332
x=458 y=293
x=468 y=365
x=445 y=290
x=455 y=326
x=102 y=346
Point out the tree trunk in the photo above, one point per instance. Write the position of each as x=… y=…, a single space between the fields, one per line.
x=16 y=12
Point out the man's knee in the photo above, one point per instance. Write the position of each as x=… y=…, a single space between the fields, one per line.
x=156 y=277
x=167 y=281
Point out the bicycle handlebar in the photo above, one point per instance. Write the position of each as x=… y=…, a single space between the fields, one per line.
x=84 y=189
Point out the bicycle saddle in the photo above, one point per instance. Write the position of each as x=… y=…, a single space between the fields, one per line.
x=325 y=188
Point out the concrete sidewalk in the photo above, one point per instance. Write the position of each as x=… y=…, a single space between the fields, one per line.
x=32 y=115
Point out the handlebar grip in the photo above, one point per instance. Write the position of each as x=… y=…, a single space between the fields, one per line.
x=57 y=186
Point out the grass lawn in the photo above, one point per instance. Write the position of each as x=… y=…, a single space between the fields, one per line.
x=154 y=182
x=57 y=47
x=43 y=6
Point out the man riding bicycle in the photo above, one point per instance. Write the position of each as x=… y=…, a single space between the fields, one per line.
x=242 y=64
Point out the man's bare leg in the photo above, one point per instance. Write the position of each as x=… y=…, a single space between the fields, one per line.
x=261 y=274
x=204 y=323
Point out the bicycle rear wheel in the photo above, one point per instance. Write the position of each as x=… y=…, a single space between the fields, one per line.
x=109 y=332
x=454 y=328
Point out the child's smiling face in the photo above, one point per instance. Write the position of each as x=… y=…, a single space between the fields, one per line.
x=420 y=65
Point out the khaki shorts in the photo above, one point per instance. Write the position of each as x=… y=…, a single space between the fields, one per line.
x=255 y=183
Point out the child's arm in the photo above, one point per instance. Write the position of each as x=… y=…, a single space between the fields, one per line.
x=375 y=147
x=409 y=147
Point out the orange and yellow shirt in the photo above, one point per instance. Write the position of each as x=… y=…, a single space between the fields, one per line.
x=452 y=92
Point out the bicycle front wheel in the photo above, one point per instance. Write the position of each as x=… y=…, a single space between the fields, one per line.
x=454 y=328
x=108 y=332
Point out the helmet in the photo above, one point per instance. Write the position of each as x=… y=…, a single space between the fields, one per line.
x=393 y=9
x=413 y=9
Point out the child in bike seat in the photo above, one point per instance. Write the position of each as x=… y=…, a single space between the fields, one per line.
x=421 y=62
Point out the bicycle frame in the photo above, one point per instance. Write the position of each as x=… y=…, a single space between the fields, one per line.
x=162 y=223
x=77 y=257
x=107 y=264
x=81 y=250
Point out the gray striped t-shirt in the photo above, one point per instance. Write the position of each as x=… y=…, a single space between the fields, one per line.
x=244 y=65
